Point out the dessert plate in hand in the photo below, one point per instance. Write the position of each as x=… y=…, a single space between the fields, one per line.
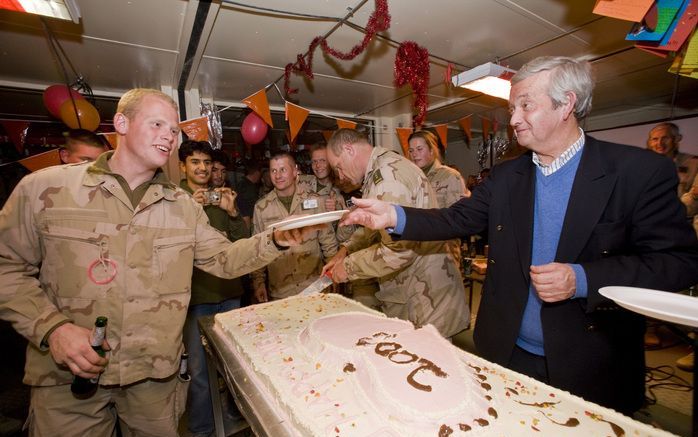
x=308 y=220
x=663 y=305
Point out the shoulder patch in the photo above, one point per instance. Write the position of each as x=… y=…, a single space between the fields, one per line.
x=377 y=177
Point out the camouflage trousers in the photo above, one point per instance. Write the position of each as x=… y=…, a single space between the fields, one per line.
x=147 y=408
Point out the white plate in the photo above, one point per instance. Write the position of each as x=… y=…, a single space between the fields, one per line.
x=309 y=220
x=662 y=305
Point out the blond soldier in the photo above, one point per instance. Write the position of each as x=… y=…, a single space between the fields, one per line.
x=300 y=266
x=419 y=282
x=112 y=238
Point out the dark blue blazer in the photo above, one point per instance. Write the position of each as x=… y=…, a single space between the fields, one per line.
x=624 y=224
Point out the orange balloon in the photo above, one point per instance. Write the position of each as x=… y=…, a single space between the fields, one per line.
x=89 y=117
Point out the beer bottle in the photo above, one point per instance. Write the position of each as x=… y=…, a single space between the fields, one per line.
x=84 y=387
x=183 y=367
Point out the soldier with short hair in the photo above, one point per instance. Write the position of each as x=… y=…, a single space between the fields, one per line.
x=81 y=145
x=300 y=266
x=419 y=281
x=113 y=238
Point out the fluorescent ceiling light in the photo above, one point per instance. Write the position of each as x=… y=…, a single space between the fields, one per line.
x=62 y=9
x=489 y=78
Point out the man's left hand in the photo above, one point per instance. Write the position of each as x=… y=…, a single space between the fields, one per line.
x=227 y=203
x=553 y=282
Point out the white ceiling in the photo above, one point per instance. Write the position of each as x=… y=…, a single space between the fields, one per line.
x=120 y=44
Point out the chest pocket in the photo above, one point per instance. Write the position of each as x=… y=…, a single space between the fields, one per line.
x=173 y=260
x=69 y=246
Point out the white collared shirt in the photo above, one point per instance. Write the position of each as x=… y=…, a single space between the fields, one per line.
x=561 y=160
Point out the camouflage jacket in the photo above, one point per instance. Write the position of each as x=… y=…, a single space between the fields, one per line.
x=308 y=184
x=54 y=229
x=298 y=266
x=420 y=275
x=447 y=183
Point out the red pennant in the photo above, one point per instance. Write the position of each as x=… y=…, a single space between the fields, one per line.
x=17 y=131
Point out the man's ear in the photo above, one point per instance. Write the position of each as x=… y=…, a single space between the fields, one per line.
x=568 y=106
x=63 y=153
x=121 y=123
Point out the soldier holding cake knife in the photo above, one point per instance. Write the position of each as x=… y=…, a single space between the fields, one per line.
x=113 y=238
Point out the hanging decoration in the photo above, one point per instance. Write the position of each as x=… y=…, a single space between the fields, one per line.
x=195 y=128
x=379 y=21
x=17 y=131
x=345 y=124
x=412 y=67
x=465 y=124
x=42 y=160
x=486 y=127
x=215 y=129
x=260 y=105
x=327 y=134
x=442 y=131
x=79 y=114
x=491 y=150
x=296 y=116
x=253 y=129
x=55 y=95
x=403 y=134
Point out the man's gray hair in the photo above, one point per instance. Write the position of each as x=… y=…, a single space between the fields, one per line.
x=566 y=75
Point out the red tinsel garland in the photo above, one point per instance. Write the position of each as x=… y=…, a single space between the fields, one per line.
x=412 y=66
x=377 y=22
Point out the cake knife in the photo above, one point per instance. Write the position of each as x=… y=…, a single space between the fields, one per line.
x=318 y=285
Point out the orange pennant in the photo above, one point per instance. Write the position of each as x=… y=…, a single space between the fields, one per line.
x=403 y=133
x=260 y=105
x=296 y=117
x=442 y=130
x=111 y=137
x=465 y=125
x=486 y=127
x=196 y=128
x=42 y=160
x=345 y=124
x=327 y=134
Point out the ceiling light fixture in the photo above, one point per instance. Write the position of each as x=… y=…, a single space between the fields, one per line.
x=488 y=78
x=61 y=9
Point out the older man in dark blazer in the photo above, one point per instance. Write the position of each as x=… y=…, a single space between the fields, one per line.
x=570 y=216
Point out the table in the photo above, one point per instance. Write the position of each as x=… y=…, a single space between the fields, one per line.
x=259 y=415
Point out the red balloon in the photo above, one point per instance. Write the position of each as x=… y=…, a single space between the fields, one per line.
x=254 y=129
x=56 y=95
x=89 y=117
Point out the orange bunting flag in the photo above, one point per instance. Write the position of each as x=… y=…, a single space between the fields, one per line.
x=465 y=125
x=260 y=105
x=111 y=138
x=486 y=128
x=442 y=130
x=296 y=116
x=42 y=160
x=403 y=133
x=196 y=128
x=345 y=124
x=510 y=132
x=327 y=134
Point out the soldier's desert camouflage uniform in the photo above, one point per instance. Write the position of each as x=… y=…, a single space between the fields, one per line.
x=447 y=183
x=298 y=266
x=449 y=186
x=60 y=220
x=309 y=184
x=419 y=281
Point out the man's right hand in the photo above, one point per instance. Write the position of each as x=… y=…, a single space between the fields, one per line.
x=70 y=346
x=199 y=195
x=371 y=213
